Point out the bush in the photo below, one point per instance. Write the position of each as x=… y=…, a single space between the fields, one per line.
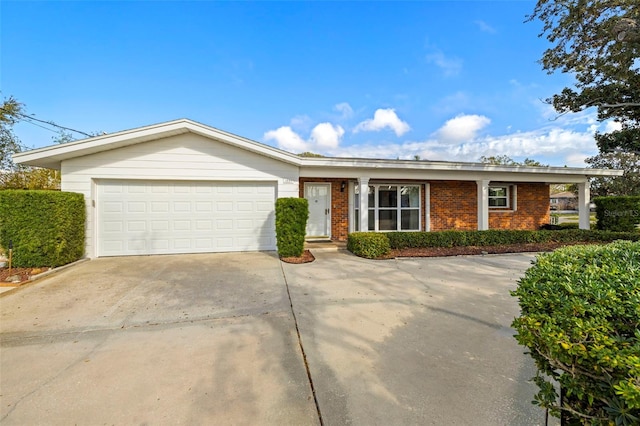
x=580 y=319
x=368 y=244
x=291 y=223
x=47 y=228
x=617 y=213
x=401 y=240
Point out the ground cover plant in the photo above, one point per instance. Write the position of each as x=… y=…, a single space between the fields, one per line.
x=580 y=321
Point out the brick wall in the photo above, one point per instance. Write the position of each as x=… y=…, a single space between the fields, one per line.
x=339 y=206
x=532 y=209
x=453 y=205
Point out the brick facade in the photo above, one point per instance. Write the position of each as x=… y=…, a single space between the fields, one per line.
x=532 y=209
x=453 y=205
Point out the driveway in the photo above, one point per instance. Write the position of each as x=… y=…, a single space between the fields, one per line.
x=202 y=339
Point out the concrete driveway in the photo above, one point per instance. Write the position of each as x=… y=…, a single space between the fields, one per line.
x=203 y=339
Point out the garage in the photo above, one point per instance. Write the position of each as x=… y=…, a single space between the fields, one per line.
x=139 y=217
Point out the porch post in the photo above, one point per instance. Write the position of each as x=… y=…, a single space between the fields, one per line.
x=483 y=204
x=584 y=200
x=363 y=183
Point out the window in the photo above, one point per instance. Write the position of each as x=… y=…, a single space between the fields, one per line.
x=499 y=197
x=391 y=207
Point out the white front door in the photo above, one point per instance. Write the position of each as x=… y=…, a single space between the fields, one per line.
x=319 y=197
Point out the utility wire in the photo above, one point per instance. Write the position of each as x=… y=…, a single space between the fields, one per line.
x=26 y=118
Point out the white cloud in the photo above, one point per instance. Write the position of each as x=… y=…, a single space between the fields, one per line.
x=345 y=109
x=382 y=119
x=484 y=27
x=449 y=65
x=287 y=139
x=612 y=126
x=462 y=127
x=326 y=135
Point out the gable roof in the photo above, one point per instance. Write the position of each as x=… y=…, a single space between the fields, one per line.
x=52 y=156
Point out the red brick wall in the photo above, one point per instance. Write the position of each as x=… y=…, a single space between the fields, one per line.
x=453 y=205
x=532 y=209
x=339 y=206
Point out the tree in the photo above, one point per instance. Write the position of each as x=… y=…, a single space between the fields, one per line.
x=597 y=41
x=627 y=184
x=9 y=144
x=505 y=160
x=14 y=176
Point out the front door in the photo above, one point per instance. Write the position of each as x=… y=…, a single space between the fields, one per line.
x=319 y=197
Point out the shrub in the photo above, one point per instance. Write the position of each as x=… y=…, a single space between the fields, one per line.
x=617 y=213
x=580 y=319
x=291 y=223
x=368 y=244
x=401 y=240
x=47 y=228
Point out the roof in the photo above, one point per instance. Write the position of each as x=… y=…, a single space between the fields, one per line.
x=51 y=157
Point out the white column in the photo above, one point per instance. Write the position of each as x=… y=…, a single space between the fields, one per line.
x=584 y=200
x=363 y=183
x=483 y=204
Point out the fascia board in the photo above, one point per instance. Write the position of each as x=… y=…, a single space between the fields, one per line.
x=52 y=156
x=364 y=165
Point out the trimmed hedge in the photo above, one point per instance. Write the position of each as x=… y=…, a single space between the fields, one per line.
x=291 y=223
x=368 y=244
x=617 y=213
x=47 y=228
x=401 y=240
x=580 y=320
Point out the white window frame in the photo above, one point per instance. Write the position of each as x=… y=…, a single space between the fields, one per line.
x=507 y=197
x=375 y=209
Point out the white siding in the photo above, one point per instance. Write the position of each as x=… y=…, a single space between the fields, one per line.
x=182 y=157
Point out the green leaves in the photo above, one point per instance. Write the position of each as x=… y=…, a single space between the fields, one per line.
x=291 y=222
x=368 y=244
x=580 y=318
x=47 y=228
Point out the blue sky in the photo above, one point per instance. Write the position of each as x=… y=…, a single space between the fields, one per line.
x=445 y=80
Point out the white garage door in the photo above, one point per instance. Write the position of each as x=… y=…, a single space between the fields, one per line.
x=164 y=217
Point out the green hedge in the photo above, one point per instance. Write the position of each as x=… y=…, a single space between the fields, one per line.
x=401 y=240
x=617 y=213
x=291 y=223
x=580 y=320
x=47 y=228
x=368 y=244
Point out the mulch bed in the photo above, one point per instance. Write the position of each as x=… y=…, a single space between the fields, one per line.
x=305 y=258
x=22 y=273
x=474 y=250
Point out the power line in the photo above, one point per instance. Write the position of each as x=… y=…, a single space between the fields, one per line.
x=26 y=118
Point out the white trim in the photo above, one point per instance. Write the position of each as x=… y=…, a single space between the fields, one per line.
x=363 y=189
x=52 y=156
x=483 y=204
x=584 y=201
x=506 y=196
x=427 y=207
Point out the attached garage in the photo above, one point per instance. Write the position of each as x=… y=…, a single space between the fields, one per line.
x=136 y=217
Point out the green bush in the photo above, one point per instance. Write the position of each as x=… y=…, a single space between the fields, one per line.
x=47 y=228
x=291 y=223
x=617 y=213
x=401 y=240
x=368 y=244
x=580 y=320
